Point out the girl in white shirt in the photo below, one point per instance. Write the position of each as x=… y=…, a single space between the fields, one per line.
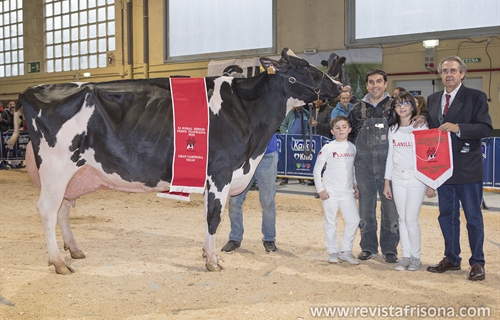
x=408 y=192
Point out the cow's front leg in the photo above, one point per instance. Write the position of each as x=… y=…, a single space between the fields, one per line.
x=214 y=205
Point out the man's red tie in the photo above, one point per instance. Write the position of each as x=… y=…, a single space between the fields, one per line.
x=446 y=105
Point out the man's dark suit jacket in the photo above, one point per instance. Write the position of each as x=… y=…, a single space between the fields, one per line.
x=469 y=110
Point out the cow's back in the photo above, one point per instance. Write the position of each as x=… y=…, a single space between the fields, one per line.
x=123 y=128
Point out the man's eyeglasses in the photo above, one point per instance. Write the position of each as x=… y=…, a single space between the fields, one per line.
x=452 y=71
x=403 y=103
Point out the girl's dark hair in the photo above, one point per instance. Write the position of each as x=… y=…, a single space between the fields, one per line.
x=403 y=96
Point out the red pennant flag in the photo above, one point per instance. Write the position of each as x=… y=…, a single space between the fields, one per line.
x=433 y=156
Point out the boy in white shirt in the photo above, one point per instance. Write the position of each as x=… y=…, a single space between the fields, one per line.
x=338 y=189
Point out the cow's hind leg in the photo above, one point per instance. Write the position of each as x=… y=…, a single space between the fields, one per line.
x=69 y=238
x=51 y=199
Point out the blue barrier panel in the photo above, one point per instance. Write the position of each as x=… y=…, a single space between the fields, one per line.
x=496 y=166
x=280 y=139
x=18 y=151
x=292 y=161
x=487 y=146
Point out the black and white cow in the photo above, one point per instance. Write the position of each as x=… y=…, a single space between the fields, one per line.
x=119 y=135
x=337 y=69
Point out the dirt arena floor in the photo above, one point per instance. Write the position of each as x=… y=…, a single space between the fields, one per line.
x=144 y=262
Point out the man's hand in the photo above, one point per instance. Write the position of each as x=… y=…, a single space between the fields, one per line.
x=449 y=127
x=313 y=122
x=418 y=121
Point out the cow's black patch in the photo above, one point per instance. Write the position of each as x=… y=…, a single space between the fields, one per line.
x=75 y=147
x=214 y=211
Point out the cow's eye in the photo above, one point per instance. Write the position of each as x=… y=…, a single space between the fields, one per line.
x=305 y=67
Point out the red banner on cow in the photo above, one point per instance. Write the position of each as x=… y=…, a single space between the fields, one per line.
x=433 y=156
x=191 y=119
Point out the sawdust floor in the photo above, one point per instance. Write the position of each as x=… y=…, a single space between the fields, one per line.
x=144 y=262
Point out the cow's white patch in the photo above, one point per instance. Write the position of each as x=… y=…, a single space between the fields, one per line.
x=79 y=84
x=241 y=180
x=216 y=99
x=33 y=121
x=291 y=53
x=219 y=194
x=56 y=168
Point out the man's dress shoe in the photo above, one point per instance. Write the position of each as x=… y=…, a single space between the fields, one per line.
x=476 y=272
x=443 y=266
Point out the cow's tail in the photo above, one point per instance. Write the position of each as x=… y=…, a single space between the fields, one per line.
x=15 y=135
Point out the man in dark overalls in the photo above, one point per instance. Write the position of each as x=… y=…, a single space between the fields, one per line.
x=369 y=119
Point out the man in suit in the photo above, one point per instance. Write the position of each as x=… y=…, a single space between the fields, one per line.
x=463 y=112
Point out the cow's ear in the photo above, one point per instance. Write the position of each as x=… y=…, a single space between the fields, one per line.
x=342 y=60
x=269 y=65
x=324 y=63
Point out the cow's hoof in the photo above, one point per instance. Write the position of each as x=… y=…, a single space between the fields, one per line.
x=213 y=267
x=65 y=270
x=78 y=255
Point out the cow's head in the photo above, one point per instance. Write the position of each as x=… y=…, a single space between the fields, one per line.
x=336 y=68
x=304 y=82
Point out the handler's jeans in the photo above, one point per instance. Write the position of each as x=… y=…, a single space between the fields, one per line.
x=372 y=147
x=265 y=174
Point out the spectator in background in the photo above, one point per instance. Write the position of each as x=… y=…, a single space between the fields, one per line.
x=421 y=106
x=344 y=106
x=464 y=113
x=398 y=91
x=5 y=123
x=320 y=118
x=353 y=98
x=6 y=120
x=293 y=125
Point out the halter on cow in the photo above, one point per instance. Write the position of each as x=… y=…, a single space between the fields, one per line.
x=85 y=136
